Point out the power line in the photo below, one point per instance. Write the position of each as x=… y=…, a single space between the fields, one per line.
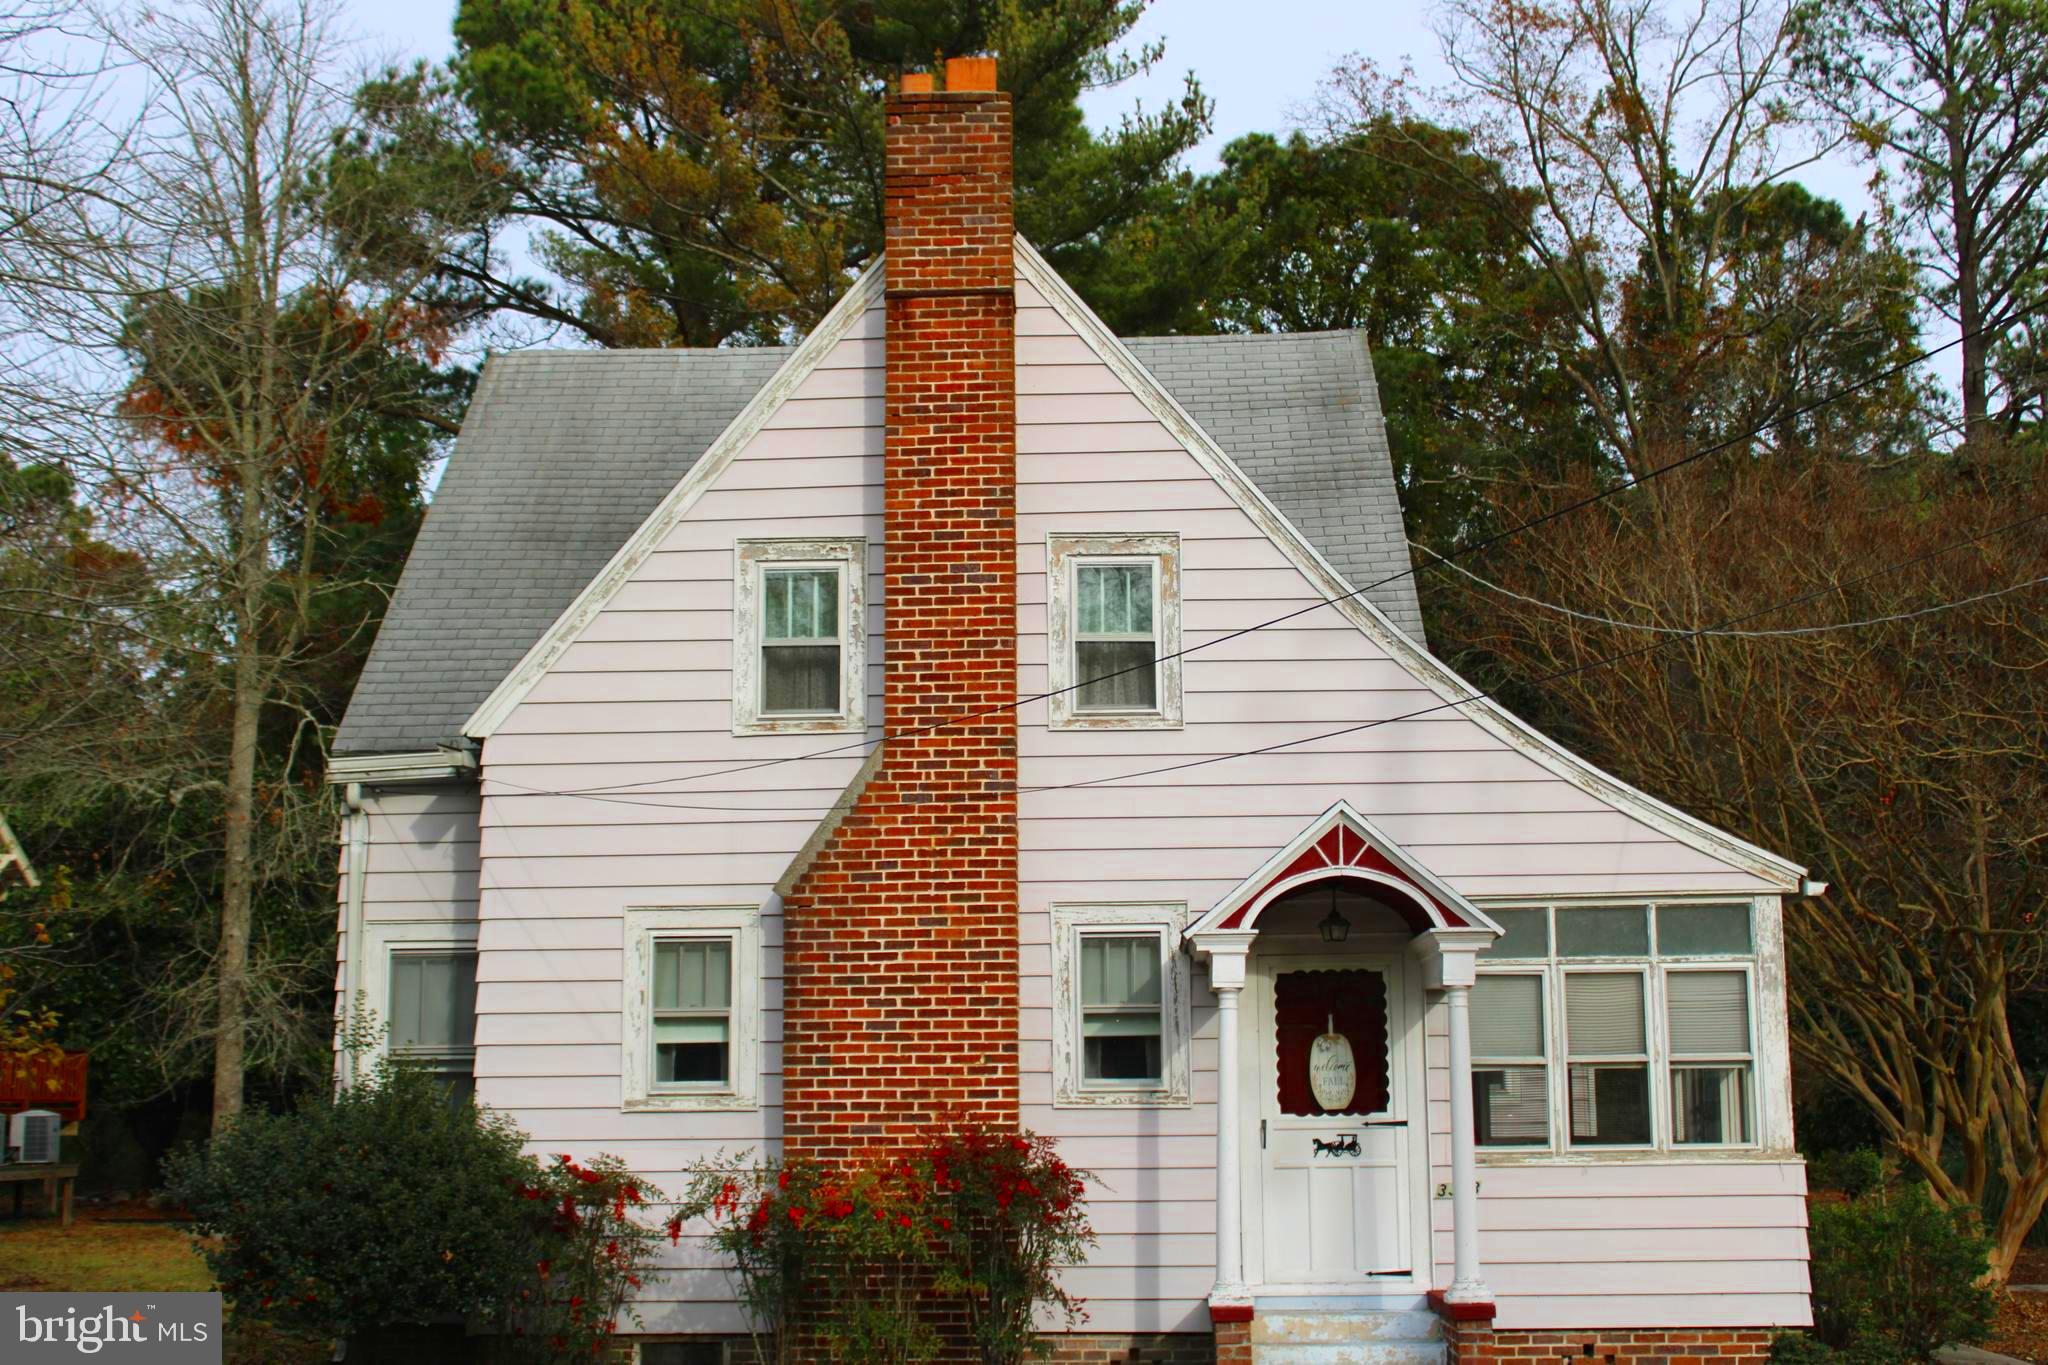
x=1561 y=673
x=1718 y=628
x=1599 y=620
x=1486 y=543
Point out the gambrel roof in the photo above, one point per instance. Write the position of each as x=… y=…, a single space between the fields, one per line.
x=564 y=454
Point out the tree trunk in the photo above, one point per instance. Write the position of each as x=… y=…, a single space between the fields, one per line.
x=231 y=959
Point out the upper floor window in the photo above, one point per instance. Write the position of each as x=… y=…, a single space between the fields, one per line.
x=800 y=637
x=1113 y=628
x=1651 y=1009
x=692 y=1008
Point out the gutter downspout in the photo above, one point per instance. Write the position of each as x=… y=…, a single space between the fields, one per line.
x=358 y=836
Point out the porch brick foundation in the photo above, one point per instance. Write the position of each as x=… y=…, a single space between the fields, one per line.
x=1233 y=1343
x=1156 y=1348
x=1481 y=1343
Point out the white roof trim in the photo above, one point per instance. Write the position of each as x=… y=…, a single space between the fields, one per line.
x=675 y=506
x=443 y=764
x=1311 y=834
x=13 y=856
x=1425 y=667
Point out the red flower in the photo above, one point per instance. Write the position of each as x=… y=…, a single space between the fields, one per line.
x=675 y=1230
x=796 y=1214
x=782 y=1179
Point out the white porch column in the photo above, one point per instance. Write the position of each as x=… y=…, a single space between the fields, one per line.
x=1229 y=1300
x=1450 y=961
x=1467 y=1285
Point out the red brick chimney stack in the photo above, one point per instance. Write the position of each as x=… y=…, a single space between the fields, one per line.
x=900 y=966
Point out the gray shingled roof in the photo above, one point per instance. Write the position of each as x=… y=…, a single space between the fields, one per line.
x=564 y=453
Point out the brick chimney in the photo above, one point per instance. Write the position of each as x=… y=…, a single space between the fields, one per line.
x=900 y=930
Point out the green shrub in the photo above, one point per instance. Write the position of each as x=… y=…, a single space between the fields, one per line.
x=1855 y=1172
x=377 y=1206
x=1894 y=1272
x=1803 y=1348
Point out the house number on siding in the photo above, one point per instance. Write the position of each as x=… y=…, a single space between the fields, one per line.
x=1332 y=1072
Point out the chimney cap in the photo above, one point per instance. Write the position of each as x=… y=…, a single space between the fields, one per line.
x=970 y=73
x=916 y=83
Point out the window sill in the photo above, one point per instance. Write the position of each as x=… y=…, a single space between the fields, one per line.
x=800 y=725
x=681 y=1103
x=1120 y=1099
x=1639 y=1156
x=1115 y=720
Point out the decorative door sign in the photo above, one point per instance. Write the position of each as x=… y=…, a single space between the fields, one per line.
x=1332 y=1071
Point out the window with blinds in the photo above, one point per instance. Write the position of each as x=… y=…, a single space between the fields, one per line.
x=1711 y=1057
x=800 y=650
x=1510 y=1071
x=1607 y=1059
x=692 y=1004
x=433 y=1013
x=1116 y=638
x=1121 y=1021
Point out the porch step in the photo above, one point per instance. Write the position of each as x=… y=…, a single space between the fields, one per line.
x=1343 y=1338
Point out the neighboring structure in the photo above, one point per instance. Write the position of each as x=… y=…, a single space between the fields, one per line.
x=15 y=868
x=626 y=844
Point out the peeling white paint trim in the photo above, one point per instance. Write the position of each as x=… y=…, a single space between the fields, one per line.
x=1063 y=552
x=1426 y=668
x=675 y=506
x=1176 y=1042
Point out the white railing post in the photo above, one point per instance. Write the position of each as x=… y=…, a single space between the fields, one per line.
x=1468 y=1284
x=1230 y=1300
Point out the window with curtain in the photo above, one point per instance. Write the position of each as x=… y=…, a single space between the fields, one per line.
x=1608 y=1059
x=800 y=647
x=1708 y=1023
x=1510 y=1070
x=1116 y=640
x=433 y=1013
x=1121 y=1022
x=692 y=1003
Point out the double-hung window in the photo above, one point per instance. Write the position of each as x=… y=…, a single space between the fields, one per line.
x=692 y=1008
x=692 y=1012
x=433 y=1013
x=1120 y=983
x=1122 y=1028
x=799 y=646
x=1509 y=1073
x=1113 y=628
x=1597 y=1027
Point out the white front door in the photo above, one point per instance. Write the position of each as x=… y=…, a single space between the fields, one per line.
x=1332 y=1187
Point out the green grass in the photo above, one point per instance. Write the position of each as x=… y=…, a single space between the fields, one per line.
x=127 y=1248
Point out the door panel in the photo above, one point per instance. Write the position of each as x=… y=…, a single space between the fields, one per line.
x=1333 y=1200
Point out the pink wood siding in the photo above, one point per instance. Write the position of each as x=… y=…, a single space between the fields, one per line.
x=1486 y=818
x=643 y=696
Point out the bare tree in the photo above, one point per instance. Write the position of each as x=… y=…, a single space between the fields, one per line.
x=225 y=347
x=1888 y=732
x=1952 y=96
x=1639 y=150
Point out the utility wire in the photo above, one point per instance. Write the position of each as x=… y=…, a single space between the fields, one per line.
x=1719 y=628
x=1575 y=669
x=1476 y=547
x=1831 y=626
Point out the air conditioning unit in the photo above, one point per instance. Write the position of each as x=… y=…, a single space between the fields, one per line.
x=32 y=1135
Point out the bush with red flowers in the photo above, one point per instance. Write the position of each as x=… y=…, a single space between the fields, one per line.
x=853 y=1265
x=592 y=1253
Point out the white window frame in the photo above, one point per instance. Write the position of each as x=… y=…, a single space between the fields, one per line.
x=1547 y=1063
x=1064 y=554
x=1072 y=923
x=382 y=941
x=1646 y=1060
x=738 y=925
x=848 y=556
x=1747 y=1060
x=1768 y=1095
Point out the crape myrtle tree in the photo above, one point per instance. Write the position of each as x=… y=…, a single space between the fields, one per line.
x=250 y=394
x=1899 y=756
x=698 y=172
